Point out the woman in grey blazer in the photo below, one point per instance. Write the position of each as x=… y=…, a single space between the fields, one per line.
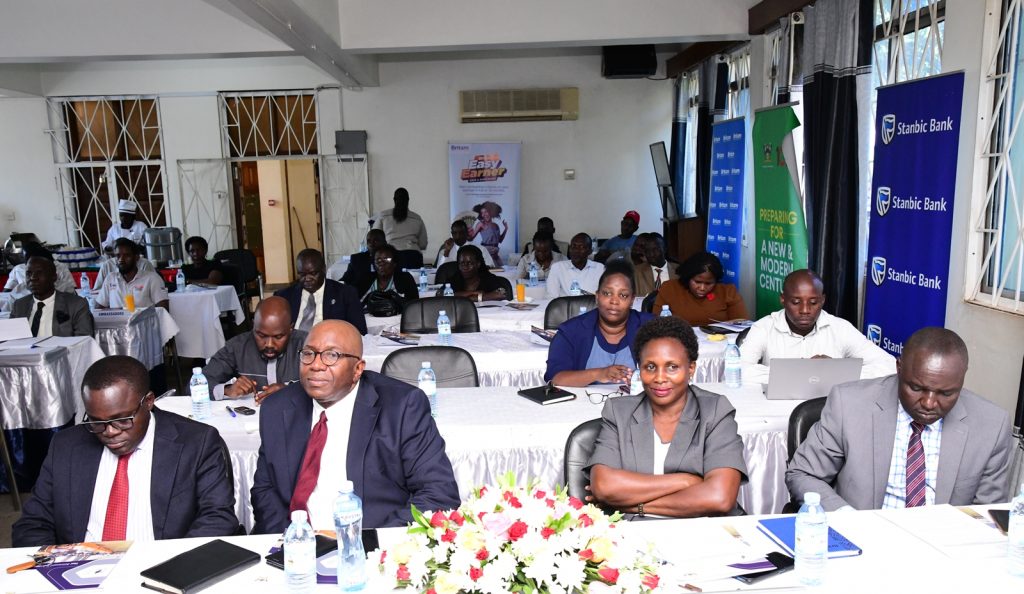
x=674 y=450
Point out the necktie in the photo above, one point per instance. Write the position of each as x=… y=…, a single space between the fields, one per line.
x=915 y=467
x=309 y=472
x=657 y=278
x=36 y=318
x=115 y=524
x=307 y=314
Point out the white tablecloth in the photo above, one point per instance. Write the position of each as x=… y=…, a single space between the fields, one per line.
x=41 y=382
x=488 y=432
x=197 y=313
x=141 y=336
x=494 y=316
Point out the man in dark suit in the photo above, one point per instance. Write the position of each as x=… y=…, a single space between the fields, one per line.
x=360 y=265
x=128 y=471
x=51 y=312
x=655 y=269
x=340 y=423
x=314 y=297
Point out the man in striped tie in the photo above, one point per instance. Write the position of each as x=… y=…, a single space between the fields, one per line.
x=128 y=471
x=910 y=439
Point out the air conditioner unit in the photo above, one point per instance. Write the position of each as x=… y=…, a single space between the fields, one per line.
x=519 y=105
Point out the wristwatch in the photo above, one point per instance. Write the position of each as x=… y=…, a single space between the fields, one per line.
x=640 y=510
x=479 y=297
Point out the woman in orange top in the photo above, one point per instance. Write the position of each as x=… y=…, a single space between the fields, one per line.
x=698 y=297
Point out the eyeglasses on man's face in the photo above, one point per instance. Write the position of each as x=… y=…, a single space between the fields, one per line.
x=328 y=357
x=121 y=424
x=383 y=261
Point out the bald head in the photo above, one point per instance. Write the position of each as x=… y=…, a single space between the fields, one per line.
x=272 y=326
x=803 y=296
x=804 y=276
x=329 y=383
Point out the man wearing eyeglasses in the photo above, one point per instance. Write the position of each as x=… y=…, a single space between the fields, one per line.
x=343 y=423
x=128 y=471
x=314 y=297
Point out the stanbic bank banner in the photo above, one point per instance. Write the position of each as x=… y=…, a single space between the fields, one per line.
x=917 y=132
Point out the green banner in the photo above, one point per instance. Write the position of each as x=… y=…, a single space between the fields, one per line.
x=780 y=232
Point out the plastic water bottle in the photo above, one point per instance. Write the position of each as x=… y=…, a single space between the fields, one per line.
x=1015 y=548
x=534 y=272
x=199 y=388
x=428 y=383
x=811 y=540
x=444 y=328
x=83 y=282
x=665 y=312
x=574 y=288
x=179 y=280
x=448 y=290
x=348 y=522
x=423 y=280
x=583 y=310
x=733 y=370
x=300 y=554
x=635 y=385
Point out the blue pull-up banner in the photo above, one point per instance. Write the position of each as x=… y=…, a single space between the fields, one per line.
x=725 y=207
x=917 y=133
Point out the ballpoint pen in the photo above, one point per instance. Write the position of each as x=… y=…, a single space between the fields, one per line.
x=231 y=412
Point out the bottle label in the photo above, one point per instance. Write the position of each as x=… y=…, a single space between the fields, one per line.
x=444 y=328
x=348 y=517
x=200 y=391
x=429 y=387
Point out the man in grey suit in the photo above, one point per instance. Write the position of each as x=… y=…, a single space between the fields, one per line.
x=51 y=312
x=914 y=438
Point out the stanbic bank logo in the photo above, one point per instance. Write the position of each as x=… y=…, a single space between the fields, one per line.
x=878 y=267
x=888 y=127
x=875 y=334
x=882 y=200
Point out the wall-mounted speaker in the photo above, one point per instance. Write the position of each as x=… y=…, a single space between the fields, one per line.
x=628 y=61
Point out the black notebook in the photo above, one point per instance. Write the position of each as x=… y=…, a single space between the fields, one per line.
x=547 y=394
x=194 y=570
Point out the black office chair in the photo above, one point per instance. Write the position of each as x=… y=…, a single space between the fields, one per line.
x=410 y=259
x=739 y=341
x=803 y=417
x=420 y=316
x=562 y=308
x=453 y=366
x=647 y=305
x=507 y=285
x=446 y=272
x=249 y=282
x=578 y=448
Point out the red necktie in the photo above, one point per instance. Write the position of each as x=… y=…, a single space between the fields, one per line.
x=115 y=524
x=657 y=278
x=310 y=469
x=915 y=467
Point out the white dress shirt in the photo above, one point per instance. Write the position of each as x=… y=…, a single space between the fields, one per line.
x=660 y=453
x=332 y=460
x=148 y=287
x=931 y=442
x=453 y=256
x=562 y=274
x=17 y=284
x=46 y=320
x=526 y=260
x=134 y=233
x=140 y=472
x=318 y=311
x=770 y=338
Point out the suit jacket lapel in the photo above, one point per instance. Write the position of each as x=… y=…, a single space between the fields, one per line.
x=951 y=451
x=883 y=426
x=297 y=423
x=166 y=453
x=685 y=434
x=85 y=463
x=641 y=435
x=364 y=419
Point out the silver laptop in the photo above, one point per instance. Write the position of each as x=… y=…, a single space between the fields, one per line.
x=803 y=379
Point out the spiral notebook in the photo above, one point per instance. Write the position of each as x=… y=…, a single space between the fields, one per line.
x=782 y=531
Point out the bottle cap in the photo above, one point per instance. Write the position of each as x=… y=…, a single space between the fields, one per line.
x=425 y=365
x=299 y=515
x=346 y=487
x=812 y=498
x=441 y=313
x=197 y=370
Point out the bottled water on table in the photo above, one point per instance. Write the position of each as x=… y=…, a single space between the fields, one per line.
x=574 y=288
x=811 y=540
x=300 y=554
x=199 y=388
x=427 y=382
x=534 y=273
x=444 y=329
x=665 y=312
x=179 y=280
x=1015 y=550
x=635 y=385
x=83 y=282
x=733 y=369
x=448 y=290
x=423 y=280
x=348 y=522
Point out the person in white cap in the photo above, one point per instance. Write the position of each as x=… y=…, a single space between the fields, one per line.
x=129 y=227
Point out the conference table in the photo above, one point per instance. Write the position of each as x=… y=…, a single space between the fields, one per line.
x=141 y=334
x=197 y=311
x=490 y=431
x=937 y=549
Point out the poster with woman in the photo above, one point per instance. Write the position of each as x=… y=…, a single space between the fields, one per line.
x=484 y=188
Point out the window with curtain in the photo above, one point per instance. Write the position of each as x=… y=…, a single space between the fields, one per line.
x=738 y=103
x=691 y=87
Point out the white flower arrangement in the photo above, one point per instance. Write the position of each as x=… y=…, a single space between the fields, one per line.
x=527 y=540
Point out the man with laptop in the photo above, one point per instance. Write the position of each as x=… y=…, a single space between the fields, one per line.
x=801 y=330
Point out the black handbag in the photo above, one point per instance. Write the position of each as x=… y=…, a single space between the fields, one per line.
x=383 y=304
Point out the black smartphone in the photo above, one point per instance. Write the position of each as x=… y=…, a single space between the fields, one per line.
x=244 y=410
x=781 y=562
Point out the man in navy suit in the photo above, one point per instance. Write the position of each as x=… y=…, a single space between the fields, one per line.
x=360 y=265
x=129 y=471
x=341 y=423
x=314 y=298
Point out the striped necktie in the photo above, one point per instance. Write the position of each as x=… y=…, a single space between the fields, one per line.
x=915 y=467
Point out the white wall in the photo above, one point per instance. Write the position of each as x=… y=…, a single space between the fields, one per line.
x=28 y=191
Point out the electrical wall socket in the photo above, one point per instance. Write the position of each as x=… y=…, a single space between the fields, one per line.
x=569 y=174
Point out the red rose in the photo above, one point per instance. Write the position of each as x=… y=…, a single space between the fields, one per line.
x=540 y=495
x=482 y=491
x=383 y=555
x=517 y=530
x=575 y=503
x=480 y=516
x=475 y=573
x=482 y=554
x=449 y=535
x=609 y=575
x=710 y=296
x=512 y=500
x=586 y=521
x=550 y=502
x=651 y=581
x=586 y=554
x=437 y=520
x=430 y=591
x=546 y=532
x=457 y=518
x=402 y=574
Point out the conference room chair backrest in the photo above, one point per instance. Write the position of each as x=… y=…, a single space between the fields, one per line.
x=562 y=308
x=578 y=449
x=446 y=272
x=410 y=259
x=647 y=305
x=453 y=366
x=420 y=315
x=507 y=285
x=803 y=417
x=742 y=336
x=233 y=276
x=244 y=259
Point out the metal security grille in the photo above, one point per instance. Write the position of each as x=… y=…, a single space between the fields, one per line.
x=739 y=82
x=107 y=149
x=269 y=123
x=908 y=39
x=344 y=198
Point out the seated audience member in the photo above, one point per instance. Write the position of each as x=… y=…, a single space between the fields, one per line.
x=593 y=348
x=638 y=253
x=260 y=362
x=51 y=312
x=698 y=296
x=474 y=280
x=360 y=264
x=127 y=227
x=146 y=285
x=546 y=225
x=402 y=228
x=341 y=422
x=877 y=443
x=319 y=298
x=801 y=329
x=128 y=470
x=17 y=282
x=541 y=255
x=449 y=251
x=201 y=270
x=579 y=267
x=109 y=266
x=389 y=277
x=675 y=474
x=623 y=242
x=655 y=269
